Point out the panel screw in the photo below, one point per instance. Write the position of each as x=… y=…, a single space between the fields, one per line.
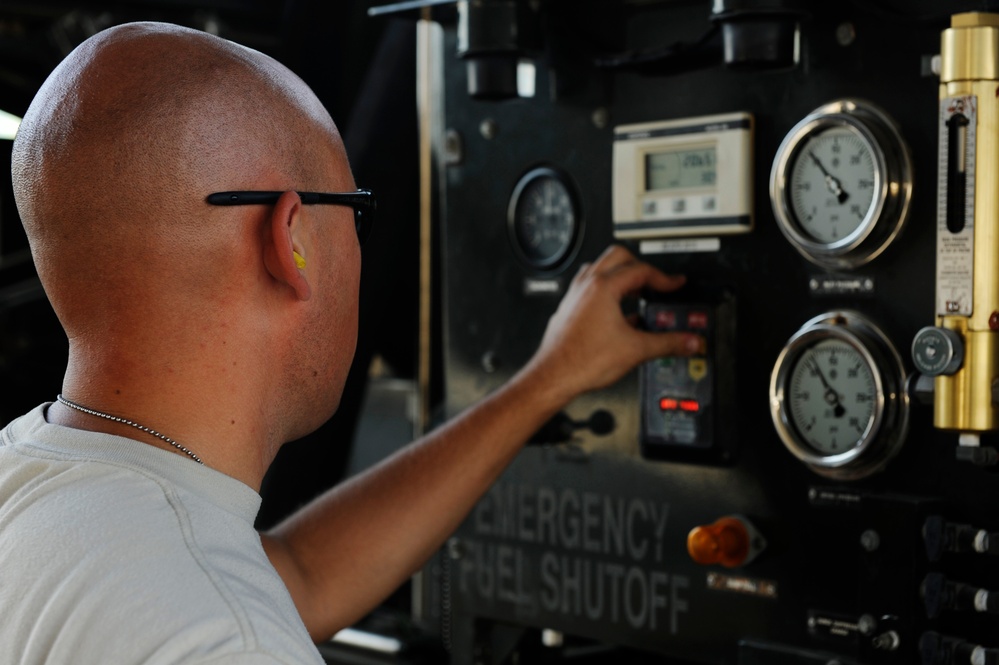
x=455 y=548
x=866 y=624
x=870 y=540
x=600 y=117
x=454 y=151
x=488 y=128
x=845 y=34
x=889 y=641
x=490 y=363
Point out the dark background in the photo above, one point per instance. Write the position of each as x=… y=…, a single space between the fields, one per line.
x=363 y=69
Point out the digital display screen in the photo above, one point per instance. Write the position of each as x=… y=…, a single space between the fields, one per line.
x=681 y=169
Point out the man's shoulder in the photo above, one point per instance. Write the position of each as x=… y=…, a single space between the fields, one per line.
x=103 y=554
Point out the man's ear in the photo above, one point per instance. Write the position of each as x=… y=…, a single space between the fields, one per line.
x=285 y=254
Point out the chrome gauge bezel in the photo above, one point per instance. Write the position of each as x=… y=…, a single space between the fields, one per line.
x=889 y=211
x=884 y=436
x=790 y=224
x=559 y=260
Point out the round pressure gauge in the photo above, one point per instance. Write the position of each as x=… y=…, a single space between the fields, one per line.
x=841 y=184
x=837 y=396
x=544 y=219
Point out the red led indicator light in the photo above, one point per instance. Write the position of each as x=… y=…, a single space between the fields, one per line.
x=697 y=320
x=665 y=319
x=690 y=405
x=668 y=404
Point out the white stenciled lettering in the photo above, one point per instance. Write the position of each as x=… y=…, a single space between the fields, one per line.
x=637 y=549
x=483 y=516
x=547 y=510
x=575 y=521
x=614 y=526
x=572 y=586
x=678 y=605
x=615 y=572
x=569 y=519
x=659 y=580
x=507 y=511
x=593 y=590
x=636 y=595
x=482 y=568
x=505 y=580
x=591 y=523
x=659 y=515
x=526 y=524
x=574 y=553
x=549 y=582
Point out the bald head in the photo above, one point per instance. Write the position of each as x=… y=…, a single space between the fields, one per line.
x=125 y=139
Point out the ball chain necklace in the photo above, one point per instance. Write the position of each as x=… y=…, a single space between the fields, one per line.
x=125 y=421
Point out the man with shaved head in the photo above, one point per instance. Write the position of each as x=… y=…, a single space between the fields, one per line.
x=195 y=224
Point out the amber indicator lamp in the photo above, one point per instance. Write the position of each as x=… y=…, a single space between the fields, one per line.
x=730 y=541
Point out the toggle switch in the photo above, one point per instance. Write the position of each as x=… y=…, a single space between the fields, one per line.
x=940 y=536
x=731 y=541
x=940 y=593
x=937 y=649
x=561 y=427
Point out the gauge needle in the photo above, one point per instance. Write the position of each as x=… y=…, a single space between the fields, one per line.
x=831 y=395
x=831 y=181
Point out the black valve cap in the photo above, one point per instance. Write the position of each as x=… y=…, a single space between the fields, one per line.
x=933 y=649
x=978 y=455
x=933 y=537
x=932 y=591
x=601 y=422
x=561 y=427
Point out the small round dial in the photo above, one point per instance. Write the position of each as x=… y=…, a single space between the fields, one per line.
x=544 y=218
x=841 y=184
x=833 y=183
x=837 y=397
x=833 y=397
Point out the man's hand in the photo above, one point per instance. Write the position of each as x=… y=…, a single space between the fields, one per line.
x=589 y=343
x=347 y=550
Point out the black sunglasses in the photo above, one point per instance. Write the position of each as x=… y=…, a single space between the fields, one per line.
x=362 y=201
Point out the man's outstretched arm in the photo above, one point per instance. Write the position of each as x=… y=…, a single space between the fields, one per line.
x=350 y=548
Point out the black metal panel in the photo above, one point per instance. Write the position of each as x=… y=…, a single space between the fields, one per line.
x=588 y=537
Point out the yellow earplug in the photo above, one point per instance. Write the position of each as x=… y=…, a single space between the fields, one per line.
x=299 y=260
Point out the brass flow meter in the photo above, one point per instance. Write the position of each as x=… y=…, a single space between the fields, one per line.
x=962 y=350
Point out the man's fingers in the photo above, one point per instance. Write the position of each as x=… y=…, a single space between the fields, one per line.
x=626 y=273
x=674 y=344
x=633 y=277
x=613 y=257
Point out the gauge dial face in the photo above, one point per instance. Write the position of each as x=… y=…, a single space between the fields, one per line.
x=841 y=184
x=833 y=397
x=832 y=184
x=837 y=398
x=543 y=217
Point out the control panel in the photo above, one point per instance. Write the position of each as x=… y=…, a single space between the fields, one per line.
x=680 y=397
x=820 y=486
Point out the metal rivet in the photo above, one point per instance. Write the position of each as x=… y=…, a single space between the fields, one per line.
x=490 y=363
x=870 y=540
x=600 y=117
x=846 y=34
x=454 y=149
x=488 y=128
